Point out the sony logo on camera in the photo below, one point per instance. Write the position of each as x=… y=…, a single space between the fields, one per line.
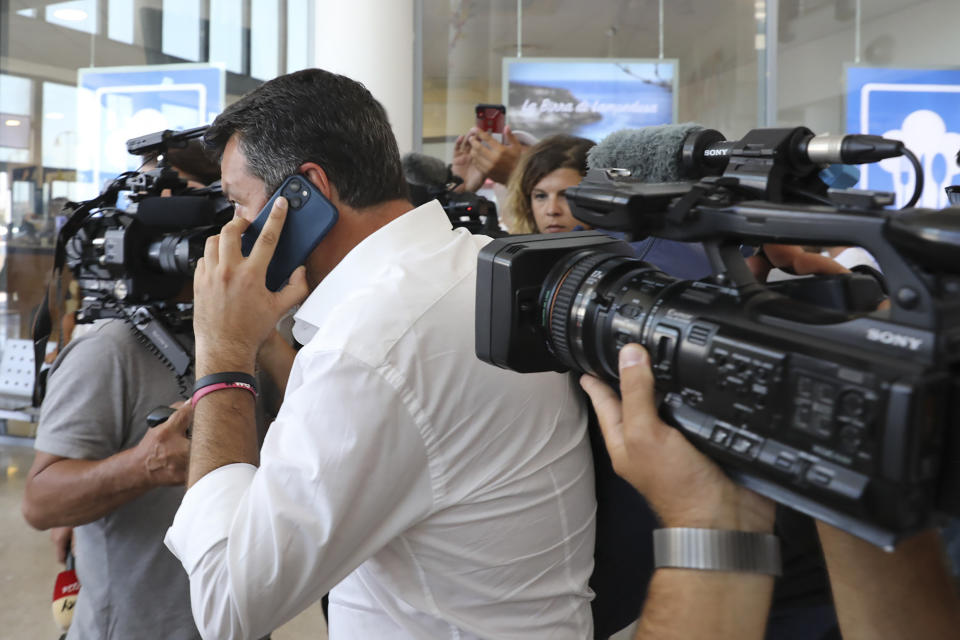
x=894 y=339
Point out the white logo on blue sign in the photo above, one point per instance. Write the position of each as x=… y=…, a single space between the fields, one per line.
x=921 y=107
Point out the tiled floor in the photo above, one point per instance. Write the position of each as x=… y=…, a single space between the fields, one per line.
x=28 y=567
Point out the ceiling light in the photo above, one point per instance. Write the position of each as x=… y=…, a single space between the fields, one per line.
x=70 y=15
x=12 y=123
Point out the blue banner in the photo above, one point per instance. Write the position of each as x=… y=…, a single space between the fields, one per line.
x=921 y=107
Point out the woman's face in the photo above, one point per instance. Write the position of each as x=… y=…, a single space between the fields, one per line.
x=549 y=201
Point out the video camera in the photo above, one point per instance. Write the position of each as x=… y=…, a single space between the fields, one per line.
x=428 y=178
x=130 y=262
x=847 y=414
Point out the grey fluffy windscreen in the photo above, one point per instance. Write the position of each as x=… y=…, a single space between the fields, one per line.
x=652 y=154
x=419 y=168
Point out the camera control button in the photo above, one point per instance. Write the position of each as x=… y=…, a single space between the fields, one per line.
x=852 y=403
x=825 y=393
x=804 y=387
x=785 y=461
x=820 y=476
x=721 y=436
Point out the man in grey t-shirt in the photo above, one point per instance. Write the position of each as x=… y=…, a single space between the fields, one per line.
x=100 y=468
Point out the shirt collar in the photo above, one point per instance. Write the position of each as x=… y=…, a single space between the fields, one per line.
x=425 y=225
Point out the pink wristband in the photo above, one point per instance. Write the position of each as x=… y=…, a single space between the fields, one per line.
x=210 y=388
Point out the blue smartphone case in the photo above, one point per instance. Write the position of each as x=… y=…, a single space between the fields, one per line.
x=310 y=217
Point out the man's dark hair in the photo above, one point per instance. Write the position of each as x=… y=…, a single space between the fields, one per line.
x=315 y=116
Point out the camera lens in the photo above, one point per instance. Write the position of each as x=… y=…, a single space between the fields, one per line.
x=295 y=202
x=294 y=185
x=593 y=303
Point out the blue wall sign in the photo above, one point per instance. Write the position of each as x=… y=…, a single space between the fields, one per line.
x=921 y=107
x=119 y=103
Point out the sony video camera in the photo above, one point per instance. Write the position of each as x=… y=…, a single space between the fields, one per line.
x=849 y=415
x=129 y=262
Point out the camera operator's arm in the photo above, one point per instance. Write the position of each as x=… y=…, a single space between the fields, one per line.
x=686 y=490
x=792 y=258
x=63 y=491
x=879 y=596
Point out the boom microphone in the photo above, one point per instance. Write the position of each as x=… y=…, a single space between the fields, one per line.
x=424 y=170
x=674 y=152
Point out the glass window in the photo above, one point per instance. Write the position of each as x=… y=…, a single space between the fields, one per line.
x=16 y=96
x=120 y=20
x=226 y=33
x=264 y=44
x=60 y=137
x=712 y=41
x=299 y=26
x=181 y=29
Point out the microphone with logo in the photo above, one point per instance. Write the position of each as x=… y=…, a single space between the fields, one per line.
x=65 y=591
x=670 y=153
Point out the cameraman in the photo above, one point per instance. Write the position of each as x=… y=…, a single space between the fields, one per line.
x=99 y=469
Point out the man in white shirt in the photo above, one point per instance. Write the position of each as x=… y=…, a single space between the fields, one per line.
x=437 y=496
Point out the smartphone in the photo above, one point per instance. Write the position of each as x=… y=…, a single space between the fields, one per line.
x=492 y=118
x=310 y=216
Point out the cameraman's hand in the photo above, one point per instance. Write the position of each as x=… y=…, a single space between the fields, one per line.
x=62 y=538
x=792 y=258
x=165 y=449
x=234 y=312
x=462 y=165
x=682 y=485
x=495 y=160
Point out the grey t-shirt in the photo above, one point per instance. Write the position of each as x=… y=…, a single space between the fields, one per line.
x=100 y=390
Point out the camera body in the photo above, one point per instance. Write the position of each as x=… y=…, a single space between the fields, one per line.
x=466 y=209
x=145 y=254
x=850 y=417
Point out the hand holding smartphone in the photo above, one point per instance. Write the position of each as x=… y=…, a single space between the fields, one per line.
x=492 y=118
x=310 y=216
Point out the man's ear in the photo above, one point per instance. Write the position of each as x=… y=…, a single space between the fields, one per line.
x=316 y=175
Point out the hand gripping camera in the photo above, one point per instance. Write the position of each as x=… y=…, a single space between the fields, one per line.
x=849 y=415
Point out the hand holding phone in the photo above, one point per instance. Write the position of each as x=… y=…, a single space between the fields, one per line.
x=310 y=216
x=492 y=118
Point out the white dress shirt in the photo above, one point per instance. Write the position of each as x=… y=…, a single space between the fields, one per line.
x=436 y=495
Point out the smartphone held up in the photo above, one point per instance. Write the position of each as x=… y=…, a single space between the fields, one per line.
x=492 y=118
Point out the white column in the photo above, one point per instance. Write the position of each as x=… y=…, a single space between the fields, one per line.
x=371 y=41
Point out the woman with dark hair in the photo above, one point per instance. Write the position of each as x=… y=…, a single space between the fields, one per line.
x=536 y=200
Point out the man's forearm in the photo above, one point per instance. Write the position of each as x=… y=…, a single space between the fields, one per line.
x=880 y=595
x=74 y=492
x=688 y=604
x=224 y=422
